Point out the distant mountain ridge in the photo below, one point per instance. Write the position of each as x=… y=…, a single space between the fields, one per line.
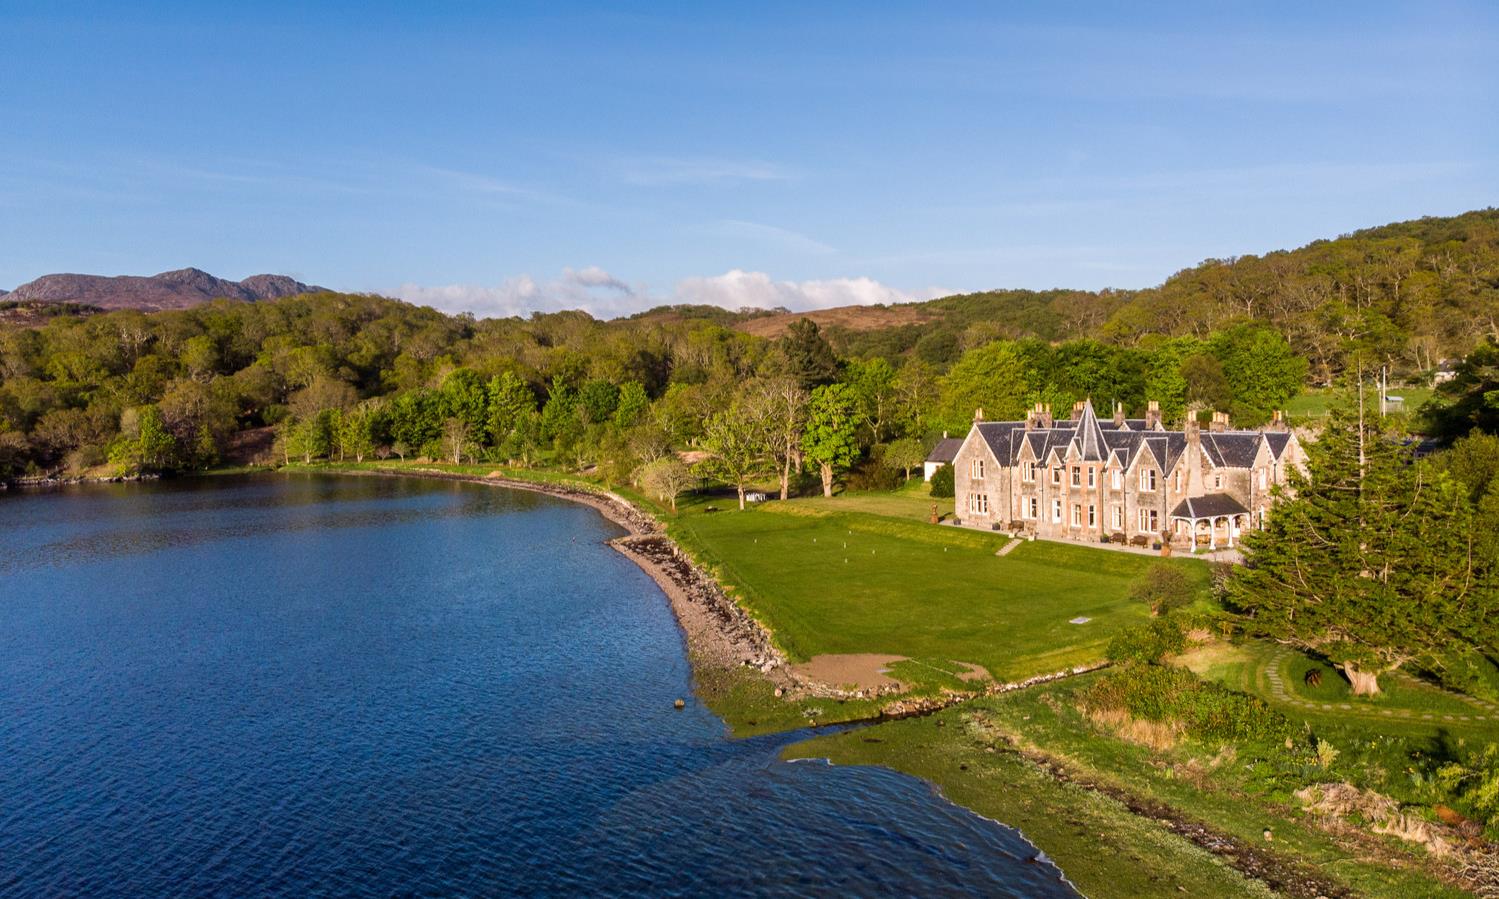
x=169 y=290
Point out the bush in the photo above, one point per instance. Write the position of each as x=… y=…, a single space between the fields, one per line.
x=873 y=475
x=1206 y=710
x=1149 y=642
x=943 y=482
x=1164 y=588
x=1475 y=778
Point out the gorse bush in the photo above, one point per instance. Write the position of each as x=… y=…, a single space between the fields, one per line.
x=1149 y=642
x=1205 y=710
x=1475 y=780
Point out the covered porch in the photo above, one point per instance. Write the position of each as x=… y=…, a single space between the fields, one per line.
x=1214 y=521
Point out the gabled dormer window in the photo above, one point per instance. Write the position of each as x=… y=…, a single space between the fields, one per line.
x=1092 y=476
x=1056 y=475
x=1028 y=472
x=976 y=468
x=1116 y=479
x=1147 y=479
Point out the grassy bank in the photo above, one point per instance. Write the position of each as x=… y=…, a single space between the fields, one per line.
x=983 y=756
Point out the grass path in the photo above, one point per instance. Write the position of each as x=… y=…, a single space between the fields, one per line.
x=1271 y=671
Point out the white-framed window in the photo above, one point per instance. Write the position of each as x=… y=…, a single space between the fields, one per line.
x=1077 y=515
x=1092 y=515
x=1092 y=476
x=1056 y=475
x=1116 y=518
x=1033 y=506
x=1116 y=479
x=1264 y=478
x=1056 y=511
x=1077 y=476
x=1028 y=472
x=976 y=468
x=1147 y=479
x=1177 y=479
x=1217 y=481
x=978 y=503
x=1149 y=521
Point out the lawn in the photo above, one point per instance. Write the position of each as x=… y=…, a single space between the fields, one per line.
x=831 y=581
x=1315 y=402
x=911 y=501
x=1406 y=705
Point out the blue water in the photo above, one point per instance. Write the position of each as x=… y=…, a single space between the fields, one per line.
x=307 y=686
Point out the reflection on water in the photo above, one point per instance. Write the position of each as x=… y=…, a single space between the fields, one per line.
x=365 y=686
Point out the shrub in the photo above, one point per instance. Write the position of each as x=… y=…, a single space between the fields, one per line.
x=1476 y=779
x=1148 y=642
x=943 y=483
x=1170 y=695
x=1163 y=588
x=873 y=475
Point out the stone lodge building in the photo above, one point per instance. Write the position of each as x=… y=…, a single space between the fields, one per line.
x=1121 y=479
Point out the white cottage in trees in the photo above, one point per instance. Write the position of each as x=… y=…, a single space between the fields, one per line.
x=1121 y=479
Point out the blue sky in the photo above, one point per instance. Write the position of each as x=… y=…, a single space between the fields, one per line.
x=504 y=158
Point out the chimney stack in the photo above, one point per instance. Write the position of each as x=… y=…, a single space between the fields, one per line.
x=1119 y=414
x=1219 y=423
x=1077 y=410
x=1045 y=410
x=978 y=415
x=1152 y=415
x=1191 y=428
x=1277 y=421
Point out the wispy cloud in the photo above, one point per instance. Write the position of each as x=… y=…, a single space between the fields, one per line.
x=602 y=294
x=783 y=237
x=652 y=171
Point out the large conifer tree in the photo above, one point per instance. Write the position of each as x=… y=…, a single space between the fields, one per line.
x=1368 y=560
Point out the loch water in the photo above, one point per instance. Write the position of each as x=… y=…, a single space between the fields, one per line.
x=338 y=686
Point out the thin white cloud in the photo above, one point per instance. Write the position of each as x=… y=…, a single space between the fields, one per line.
x=603 y=295
x=782 y=237
x=655 y=171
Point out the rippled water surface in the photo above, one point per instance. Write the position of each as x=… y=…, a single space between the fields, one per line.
x=358 y=686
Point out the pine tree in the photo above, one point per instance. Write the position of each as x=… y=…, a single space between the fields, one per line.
x=1368 y=559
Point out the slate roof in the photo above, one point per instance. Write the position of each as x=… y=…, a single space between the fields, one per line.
x=1210 y=506
x=946 y=450
x=1089 y=436
x=1095 y=441
x=1102 y=440
x=1231 y=449
x=1278 y=441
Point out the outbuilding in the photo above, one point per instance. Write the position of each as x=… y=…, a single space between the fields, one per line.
x=942 y=454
